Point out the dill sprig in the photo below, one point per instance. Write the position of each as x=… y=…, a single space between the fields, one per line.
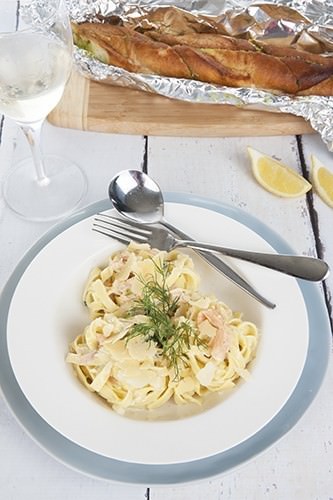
x=157 y=304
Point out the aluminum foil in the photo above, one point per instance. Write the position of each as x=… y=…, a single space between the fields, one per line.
x=304 y=24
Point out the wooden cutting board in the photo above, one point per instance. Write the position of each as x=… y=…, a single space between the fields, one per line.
x=89 y=105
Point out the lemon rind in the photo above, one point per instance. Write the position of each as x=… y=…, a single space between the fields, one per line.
x=254 y=163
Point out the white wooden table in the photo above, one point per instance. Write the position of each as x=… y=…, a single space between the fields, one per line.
x=299 y=466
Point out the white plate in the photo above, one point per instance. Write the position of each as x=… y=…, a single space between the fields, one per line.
x=46 y=314
x=98 y=466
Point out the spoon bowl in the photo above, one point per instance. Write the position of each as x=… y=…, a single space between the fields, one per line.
x=136 y=196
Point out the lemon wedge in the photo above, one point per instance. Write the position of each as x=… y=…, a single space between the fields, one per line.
x=276 y=177
x=322 y=180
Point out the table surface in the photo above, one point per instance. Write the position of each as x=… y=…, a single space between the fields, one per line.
x=299 y=466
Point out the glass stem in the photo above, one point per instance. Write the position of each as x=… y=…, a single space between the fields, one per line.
x=33 y=134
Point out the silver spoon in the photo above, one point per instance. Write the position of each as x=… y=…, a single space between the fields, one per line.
x=138 y=198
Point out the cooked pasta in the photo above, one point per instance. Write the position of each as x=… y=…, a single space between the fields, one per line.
x=153 y=337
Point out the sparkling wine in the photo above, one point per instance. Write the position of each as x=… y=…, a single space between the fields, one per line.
x=34 y=69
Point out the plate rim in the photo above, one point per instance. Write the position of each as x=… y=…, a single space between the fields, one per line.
x=85 y=461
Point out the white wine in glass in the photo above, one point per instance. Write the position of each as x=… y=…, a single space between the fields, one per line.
x=35 y=64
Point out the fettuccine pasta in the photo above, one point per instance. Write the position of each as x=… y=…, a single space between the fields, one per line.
x=128 y=363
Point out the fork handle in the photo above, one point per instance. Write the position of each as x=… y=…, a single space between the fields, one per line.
x=308 y=268
x=226 y=270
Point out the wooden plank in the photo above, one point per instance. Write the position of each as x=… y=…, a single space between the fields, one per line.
x=220 y=169
x=313 y=145
x=89 y=105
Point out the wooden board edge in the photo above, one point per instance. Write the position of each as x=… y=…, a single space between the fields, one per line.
x=155 y=129
x=77 y=93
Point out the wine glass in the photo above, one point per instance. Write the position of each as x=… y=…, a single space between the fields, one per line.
x=35 y=64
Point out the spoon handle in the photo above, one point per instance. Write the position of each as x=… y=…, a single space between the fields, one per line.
x=226 y=270
x=307 y=268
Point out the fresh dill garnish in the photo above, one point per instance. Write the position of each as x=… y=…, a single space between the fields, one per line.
x=173 y=338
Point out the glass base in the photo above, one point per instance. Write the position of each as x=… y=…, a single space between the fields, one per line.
x=55 y=197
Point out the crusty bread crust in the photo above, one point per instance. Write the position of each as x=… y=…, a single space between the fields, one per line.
x=204 y=41
x=208 y=57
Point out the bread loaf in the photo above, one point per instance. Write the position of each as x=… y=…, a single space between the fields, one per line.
x=207 y=56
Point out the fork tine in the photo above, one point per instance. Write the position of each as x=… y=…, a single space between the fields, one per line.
x=122 y=231
x=111 y=234
x=129 y=227
x=121 y=235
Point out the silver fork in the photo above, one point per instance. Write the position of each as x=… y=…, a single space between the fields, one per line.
x=308 y=268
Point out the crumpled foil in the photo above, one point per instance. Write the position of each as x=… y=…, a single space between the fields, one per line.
x=304 y=24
